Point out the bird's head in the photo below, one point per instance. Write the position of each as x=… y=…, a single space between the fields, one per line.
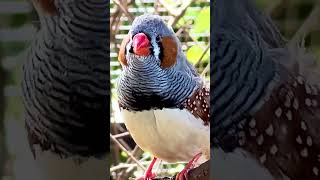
x=150 y=38
x=152 y=60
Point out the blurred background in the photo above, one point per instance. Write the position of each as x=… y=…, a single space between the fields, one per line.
x=18 y=25
x=190 y=20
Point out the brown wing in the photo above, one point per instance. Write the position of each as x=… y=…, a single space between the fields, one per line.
x=198 y=104
x=284 y=134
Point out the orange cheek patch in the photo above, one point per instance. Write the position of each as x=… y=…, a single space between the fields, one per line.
x=170 y=51
x=122 y=52
x=47 y=6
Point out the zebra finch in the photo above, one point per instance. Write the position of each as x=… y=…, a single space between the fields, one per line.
x=163 y=101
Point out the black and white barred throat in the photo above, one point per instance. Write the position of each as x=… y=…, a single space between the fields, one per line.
x=144 y=85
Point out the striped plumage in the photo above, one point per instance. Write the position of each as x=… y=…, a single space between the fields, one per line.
x=163 y=101
x=175 y=87
x=66 y=86
x=266 y=113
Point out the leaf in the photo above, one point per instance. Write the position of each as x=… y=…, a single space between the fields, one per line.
x=124 y=154
x=202 y=22
x=187 y=16
x=194 y=53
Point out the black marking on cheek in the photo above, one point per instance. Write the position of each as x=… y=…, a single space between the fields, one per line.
x=131 y=49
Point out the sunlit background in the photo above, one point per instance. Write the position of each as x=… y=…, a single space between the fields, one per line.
x=18 y=22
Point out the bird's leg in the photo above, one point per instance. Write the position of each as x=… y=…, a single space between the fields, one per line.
x=183 y=174
x=148 y=174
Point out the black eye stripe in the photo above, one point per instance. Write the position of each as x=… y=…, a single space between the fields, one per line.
x=158 y=39
x=161 y=50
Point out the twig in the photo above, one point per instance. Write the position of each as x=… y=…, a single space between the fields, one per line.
x=136 y=153
x=121 y=135
x=273 y=5
x=124 y=165
x=307 y=26
x=205 y=70
x=124 y=9
x=202 y=56
x=181 y=13
x=125 y=150
x=116 y=149
x=176 y=13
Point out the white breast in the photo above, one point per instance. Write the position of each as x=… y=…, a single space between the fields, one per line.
x=170 y=134
x=52 y=167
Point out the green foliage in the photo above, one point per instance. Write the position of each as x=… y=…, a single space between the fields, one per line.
x=18 y=20
x=11 y=48
x=202 y=22
x=195 y=52
x=201 y=25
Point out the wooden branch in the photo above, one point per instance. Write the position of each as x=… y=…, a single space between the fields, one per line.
x=200 y=173
x=176 y=13
x=202 y=55
x=129 y=153
x=124 y=9
x=272 y=6
x=307 y=26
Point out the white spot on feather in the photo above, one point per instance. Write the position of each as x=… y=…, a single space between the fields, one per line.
x=299 y=140
x=308 y=102
x=304 y=152
x=278 y=112
x=315 y=171
x=252 y=123
x=273 y=149
x=303 y=126
x=260 y=140
x=289 y=115
x=269 y=130
x=263 y=158
x=296 y=104
x=300 y=79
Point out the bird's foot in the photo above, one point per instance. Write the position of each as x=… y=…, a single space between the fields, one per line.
x=149 y=175
x=183 y=174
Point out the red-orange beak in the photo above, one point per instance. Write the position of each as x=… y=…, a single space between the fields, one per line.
x=141 y=45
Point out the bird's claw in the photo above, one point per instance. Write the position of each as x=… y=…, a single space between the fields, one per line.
x=183 y=175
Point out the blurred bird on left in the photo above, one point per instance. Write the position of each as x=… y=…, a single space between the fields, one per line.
x=65 y=90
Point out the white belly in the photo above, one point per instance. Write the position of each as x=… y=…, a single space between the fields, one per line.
x=170 y=134
x=52 y=167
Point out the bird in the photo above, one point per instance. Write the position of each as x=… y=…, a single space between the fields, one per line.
x=162 y=99
x=265 y=107
x=65 y=90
